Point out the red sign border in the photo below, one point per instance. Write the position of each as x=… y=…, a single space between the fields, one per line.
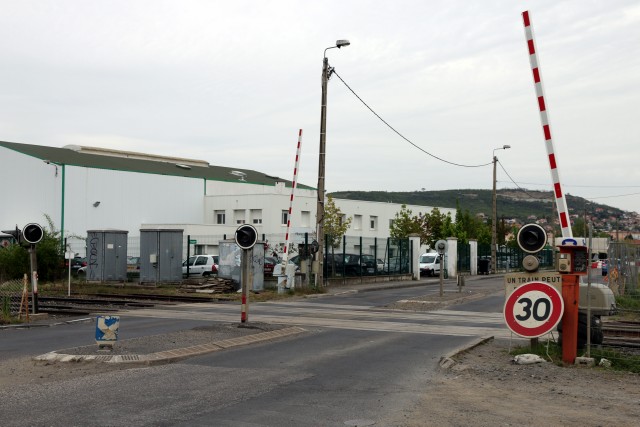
x=549 y=324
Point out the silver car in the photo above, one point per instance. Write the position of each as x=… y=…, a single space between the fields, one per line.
x=201 y=265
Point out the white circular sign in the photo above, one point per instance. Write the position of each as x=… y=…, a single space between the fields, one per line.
x=533 y=309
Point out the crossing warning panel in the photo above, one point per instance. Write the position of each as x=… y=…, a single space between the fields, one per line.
x=533 y=309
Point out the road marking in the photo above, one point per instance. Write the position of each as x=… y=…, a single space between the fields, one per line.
x=442 y=322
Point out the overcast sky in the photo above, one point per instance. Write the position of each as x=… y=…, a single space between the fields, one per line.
x=232 y=82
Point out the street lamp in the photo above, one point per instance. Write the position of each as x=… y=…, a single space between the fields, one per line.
x=494 y=219
x=326 y=73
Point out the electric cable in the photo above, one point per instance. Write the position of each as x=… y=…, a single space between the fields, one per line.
x=401 y=135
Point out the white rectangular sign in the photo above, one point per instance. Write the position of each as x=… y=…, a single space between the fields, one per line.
x=513 y=280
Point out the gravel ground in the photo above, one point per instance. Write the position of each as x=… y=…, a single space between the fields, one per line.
x=484 y=388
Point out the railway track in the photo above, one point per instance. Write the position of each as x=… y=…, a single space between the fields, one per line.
x=84 y=305
x=623 y=334
x=620 y=333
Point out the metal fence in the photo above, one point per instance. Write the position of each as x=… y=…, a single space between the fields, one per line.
x=359 y=256
x=622 y=265
x=619 y=272
x=346 y=256
x=11 y=293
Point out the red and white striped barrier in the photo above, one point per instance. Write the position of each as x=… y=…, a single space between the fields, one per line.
x=561 y=202
x=285 y=257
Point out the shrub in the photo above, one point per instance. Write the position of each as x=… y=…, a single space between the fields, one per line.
x=15 y=262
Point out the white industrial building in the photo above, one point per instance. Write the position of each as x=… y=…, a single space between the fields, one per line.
x=88 y=188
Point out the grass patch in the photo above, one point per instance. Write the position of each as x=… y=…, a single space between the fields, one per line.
x=620 y=360
x=628 y=302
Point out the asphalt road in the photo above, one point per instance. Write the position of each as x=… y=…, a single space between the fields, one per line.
x=357 y=364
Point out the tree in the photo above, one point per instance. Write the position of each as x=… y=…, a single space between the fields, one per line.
x=335 y=223
x=435 y=226
x=579 y=227
x=405 y=224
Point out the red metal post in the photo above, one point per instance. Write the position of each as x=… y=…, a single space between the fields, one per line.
x=571 y=297
x=246 y=269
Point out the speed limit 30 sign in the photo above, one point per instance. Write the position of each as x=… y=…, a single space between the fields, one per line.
x=533 y=309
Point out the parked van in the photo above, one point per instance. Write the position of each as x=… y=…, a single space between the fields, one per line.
x=430 y=264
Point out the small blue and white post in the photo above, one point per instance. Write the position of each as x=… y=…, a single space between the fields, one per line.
x=107 y=331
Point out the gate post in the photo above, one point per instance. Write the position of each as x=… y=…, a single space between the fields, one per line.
x=452 y=257
x=473 y=255
x=414 y=252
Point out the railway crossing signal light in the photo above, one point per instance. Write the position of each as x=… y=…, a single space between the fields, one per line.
x=31 y=233
x=532 y=238
x=246 y=236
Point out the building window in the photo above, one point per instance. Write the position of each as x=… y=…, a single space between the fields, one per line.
x=256 y=216
x=220 y=217
x=357 y=222
x=285 y=217
x=306 y=218
x=238 y=215
x=373 y=222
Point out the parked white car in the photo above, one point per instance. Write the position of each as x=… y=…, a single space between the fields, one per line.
x=201 y=265
x=430 y=264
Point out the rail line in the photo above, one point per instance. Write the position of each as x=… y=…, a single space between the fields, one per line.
x=618 y=333
x=622 y=333
x=92 y=303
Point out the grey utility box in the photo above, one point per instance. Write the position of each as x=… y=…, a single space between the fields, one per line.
x=107 y=255
x=230 y=266
x=161 y=256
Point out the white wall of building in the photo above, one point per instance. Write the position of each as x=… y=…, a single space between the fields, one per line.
x=128 y=199
x=30 y=188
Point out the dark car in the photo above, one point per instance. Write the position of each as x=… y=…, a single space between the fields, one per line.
x=350 y=264
x=345 y=264
x=269 y=264
x=77 y=262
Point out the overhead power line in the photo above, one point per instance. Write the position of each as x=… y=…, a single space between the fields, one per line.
x=610 y=197
x=505 y=171
x=584 y=186
x=401 y=135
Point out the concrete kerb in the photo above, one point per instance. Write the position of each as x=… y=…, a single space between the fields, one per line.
x=447 y=361
x=168 y=356
x=372 y=287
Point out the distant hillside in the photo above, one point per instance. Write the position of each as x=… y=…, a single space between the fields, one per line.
x=516 y=204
